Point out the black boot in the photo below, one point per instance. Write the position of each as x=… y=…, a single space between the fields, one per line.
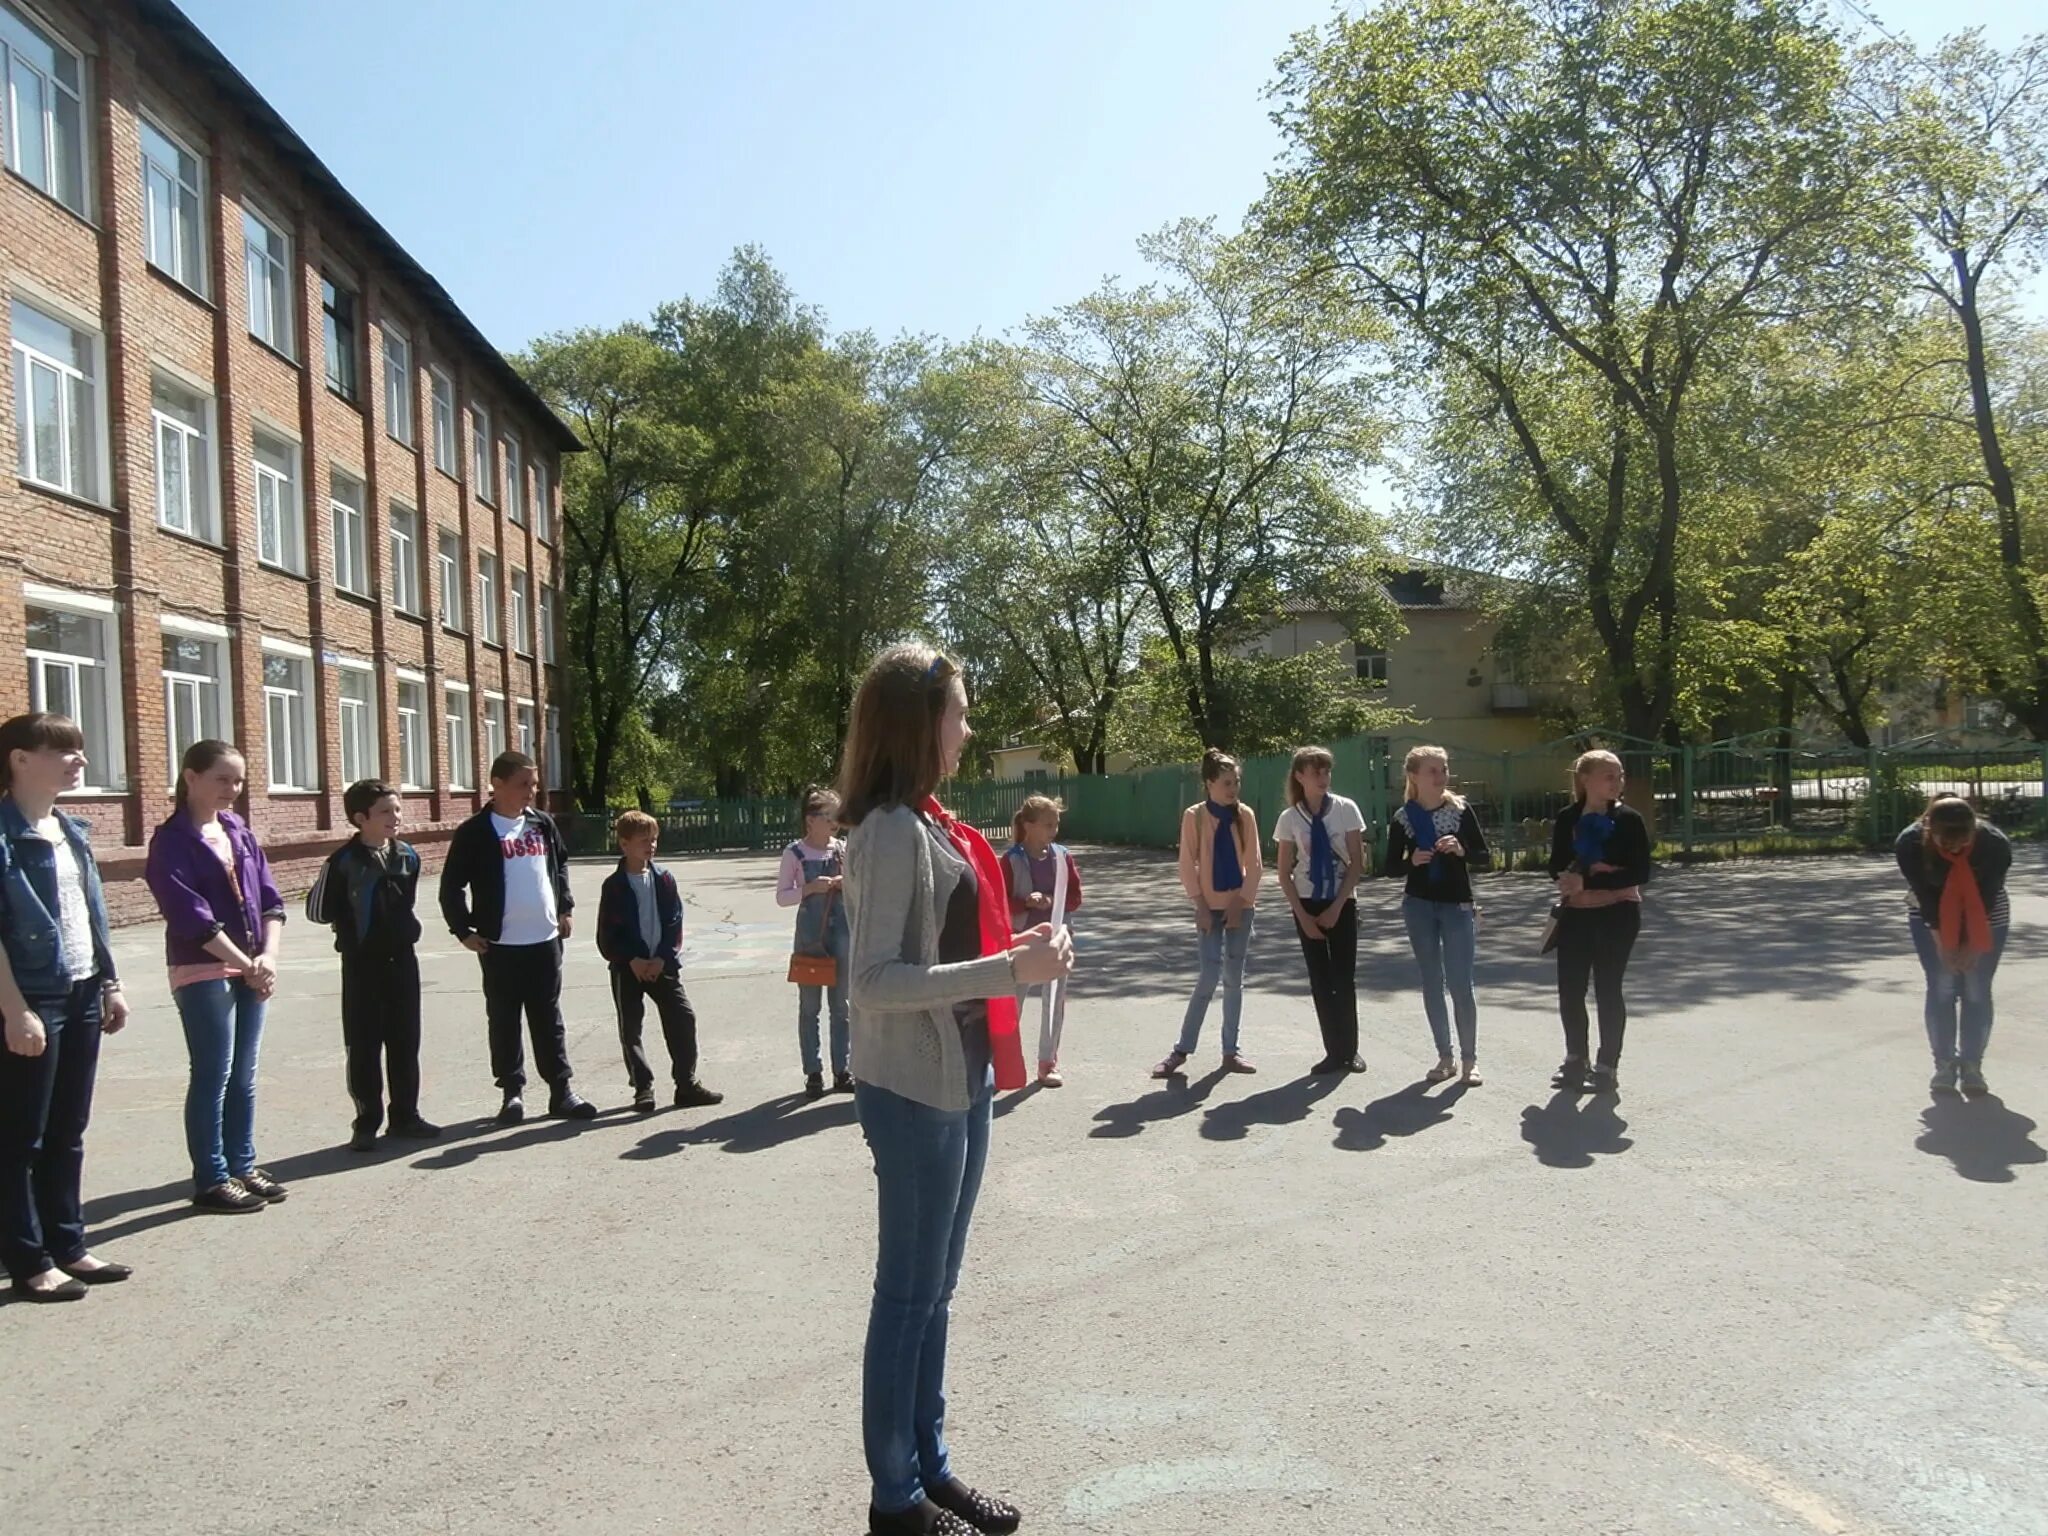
x=921 y=1519
x=977 y=1509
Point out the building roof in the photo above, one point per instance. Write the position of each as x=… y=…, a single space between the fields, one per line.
x=1408 y=589
x=198 y=51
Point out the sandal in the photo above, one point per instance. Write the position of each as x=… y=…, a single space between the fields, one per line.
x=1442 y=1072
x=1470 y=1074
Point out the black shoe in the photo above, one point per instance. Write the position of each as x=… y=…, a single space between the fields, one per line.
x=362 y=1138
x=814 y=1085
x=414 y=1129
x=643 y=1101
x=106 y=1274
x=64 y=1290
x=1604 y=1079
x=977 y=1509
x=696 y=1096
x=1572 y=1075
x=262 y=1185
x=842 y=1082
x=1327 y=1066
x=229 y=1198
x=1355 y=1064
x=925 y=1519
x=571 y=1105
x=512 y=1111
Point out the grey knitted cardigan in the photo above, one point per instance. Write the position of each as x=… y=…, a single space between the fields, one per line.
x=900 y=873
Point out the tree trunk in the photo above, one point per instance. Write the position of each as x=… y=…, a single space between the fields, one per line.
x=1788 y=697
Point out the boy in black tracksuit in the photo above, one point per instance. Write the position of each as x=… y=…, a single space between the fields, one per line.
x=640 y=932
x=365 y=892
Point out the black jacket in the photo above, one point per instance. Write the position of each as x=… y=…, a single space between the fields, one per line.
x=1628 y=849
x=1455 y=883
x=367 y=900
x=1990 y=860
x=473 y=879
x=618 y=920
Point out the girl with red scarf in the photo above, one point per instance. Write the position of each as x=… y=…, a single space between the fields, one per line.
x=934 y=973
x=1956 y=865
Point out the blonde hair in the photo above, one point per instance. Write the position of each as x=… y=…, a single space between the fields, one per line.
x=1586 y=760
x=1034 y=808
x=1412 y=764
x=1306 y=757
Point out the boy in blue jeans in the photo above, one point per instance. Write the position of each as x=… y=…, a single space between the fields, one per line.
x=640 y=932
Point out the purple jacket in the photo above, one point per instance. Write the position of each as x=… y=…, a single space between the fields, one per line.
x=193 y=893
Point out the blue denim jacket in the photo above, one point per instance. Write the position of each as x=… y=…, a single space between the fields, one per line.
x=28 y=904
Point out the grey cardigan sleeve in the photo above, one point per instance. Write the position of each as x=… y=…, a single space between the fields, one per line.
x=882 y=875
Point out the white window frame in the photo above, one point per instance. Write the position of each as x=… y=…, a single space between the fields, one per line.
x=178 y=252
x=447 y=434
x=345 y=357
x=545 y=621
x=405 y=559
x=494 y=726
x=460 y=749
x=46 y=128
x=454 y=581
x=487 y=598
x=551 y=743
x=522 y=613
x=398 y=385
x=543 y=508
x=197 y=686
x=480 y=481
x=526 y=727
x=108 y=769
x=299 y=707
x=83 y=467
x=515 y=482
x=357 y=737
x=289 y=551
x=268 y=276
x=175 y=439
x=351 y=534
x=415 y=762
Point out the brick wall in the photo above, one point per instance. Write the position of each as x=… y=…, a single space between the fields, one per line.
x=106 y=553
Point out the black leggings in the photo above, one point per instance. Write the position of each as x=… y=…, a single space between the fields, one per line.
x=1593 y=944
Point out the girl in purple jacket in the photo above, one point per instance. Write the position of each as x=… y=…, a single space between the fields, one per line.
x=223 y=919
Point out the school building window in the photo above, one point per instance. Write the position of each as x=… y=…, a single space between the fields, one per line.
x=288 y=717
x=195 y=678
x=455 y=704
x=1372 y=664
x=173 y=197
x=56 y=402
x=397 y=384
x=338 y=335
x=357 y=687
x=45 y=109
x=412 y=731
x=405 y=559
x=73 y=670
x=280 y=520
x=183 y=422
x=351 y=554
x=453 y=579
x=267 y=266
x=444 y=421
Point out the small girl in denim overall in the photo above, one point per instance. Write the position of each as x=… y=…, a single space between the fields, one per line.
x=1032 y=863
x=813 y=870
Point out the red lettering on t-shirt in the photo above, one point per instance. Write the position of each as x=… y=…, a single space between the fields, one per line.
x=525 y=846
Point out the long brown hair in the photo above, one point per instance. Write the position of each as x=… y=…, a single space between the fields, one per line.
x=1945 y=813
x=200 y=758
x=891 y=756
x=1306 y=757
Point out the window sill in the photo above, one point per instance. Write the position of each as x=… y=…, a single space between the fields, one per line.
x=457 y=632
x=282 y=570
x=522 y=655
x=283 y=357
x=291 y=792
x=493 y=645
x=445 y=472
x=53 y=200
x=346 y=399
x=406 y=613
x=69 y=498
x=91 y=791
x=179 y=286
x=363 y=598
x=408 y=446
x=196 y=540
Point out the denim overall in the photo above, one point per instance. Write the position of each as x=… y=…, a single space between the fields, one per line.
x=835 y=939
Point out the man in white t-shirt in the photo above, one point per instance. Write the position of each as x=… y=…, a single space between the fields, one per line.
x=505 y=894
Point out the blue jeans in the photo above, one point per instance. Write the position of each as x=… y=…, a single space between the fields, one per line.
x=223 y=1026
x=1223 y=956
x=809 y=1001
x=1444 y=938
x=928 y=1165
x=1952 y=992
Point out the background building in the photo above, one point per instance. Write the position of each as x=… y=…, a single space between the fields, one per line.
x=271 y=484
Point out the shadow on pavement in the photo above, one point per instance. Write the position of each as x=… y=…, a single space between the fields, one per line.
x=1288 y=1104
x=1401 y=1113
x=1177 y=1097
x=772 y=1123
x=1007 y=1102
x=1573 y=1129
x=1981 y=1138
x=468 y=1150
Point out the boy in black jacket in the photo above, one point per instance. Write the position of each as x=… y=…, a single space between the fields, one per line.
x=365 y=891
x=505 y=894
x=640 y=931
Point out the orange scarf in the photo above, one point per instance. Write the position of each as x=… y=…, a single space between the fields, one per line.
x=1964 y=923
x=1005 y=1045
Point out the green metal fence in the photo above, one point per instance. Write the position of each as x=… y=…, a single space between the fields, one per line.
x=1761 y=790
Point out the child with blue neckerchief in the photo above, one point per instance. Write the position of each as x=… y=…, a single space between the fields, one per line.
x=1434 y=843
x=1600 y=858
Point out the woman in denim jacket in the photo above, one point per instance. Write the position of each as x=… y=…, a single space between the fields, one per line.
x=59 y=994
x=223 y=918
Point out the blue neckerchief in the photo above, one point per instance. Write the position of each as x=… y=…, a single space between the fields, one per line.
x=1226 y=873
x=1422 y=828
x=1589 y=838
x=1322 y=856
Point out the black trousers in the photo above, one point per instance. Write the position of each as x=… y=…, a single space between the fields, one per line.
x=1333 y=979
x=1593 y=944
x=45 y=1102
x=380 y=1027
x=678 y=1025
x=526 y=978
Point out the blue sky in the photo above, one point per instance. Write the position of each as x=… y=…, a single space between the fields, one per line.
x=940 y=168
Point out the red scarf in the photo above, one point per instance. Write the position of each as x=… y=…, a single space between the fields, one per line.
x=1004 y=1043
x=1964 y=924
